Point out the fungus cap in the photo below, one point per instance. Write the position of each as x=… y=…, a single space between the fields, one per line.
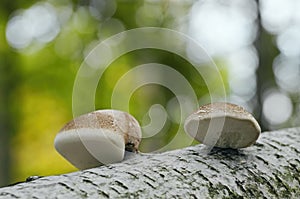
x=97 y=138
x=223 y=125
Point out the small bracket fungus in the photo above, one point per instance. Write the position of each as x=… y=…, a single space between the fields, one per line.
x=97 y=138
x=223 y=125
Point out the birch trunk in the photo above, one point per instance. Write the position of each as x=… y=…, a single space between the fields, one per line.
x=269 y=169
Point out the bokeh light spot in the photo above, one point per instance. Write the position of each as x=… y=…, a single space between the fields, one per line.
x=277 y=108
x=38 y=23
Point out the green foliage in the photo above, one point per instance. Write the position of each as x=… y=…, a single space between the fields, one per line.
x=45 y=73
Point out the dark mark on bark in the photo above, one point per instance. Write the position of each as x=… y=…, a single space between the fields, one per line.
x=66 y=186
x=261 y=159
x=8 y=194
x=102 y=193
x=120 y=184
x=149 y=184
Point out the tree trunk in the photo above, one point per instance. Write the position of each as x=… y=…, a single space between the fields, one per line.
x=9 y=78
x=267 y=51
x=269 y=169
x=6 y=87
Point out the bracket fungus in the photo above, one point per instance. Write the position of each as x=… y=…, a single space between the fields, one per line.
x=97 y=138
x=223 y=125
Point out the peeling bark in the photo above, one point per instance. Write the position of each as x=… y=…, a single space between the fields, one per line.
x=269 y=169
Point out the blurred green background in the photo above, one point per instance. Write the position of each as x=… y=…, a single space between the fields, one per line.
x=256 y=46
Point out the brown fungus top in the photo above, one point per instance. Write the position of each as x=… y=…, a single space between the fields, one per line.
x=222 y=108
x=117 y=121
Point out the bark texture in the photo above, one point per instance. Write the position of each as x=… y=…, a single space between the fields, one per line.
x=269 y=169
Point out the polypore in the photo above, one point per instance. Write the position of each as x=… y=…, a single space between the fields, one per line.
x=223 y=125
x=97 y=138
